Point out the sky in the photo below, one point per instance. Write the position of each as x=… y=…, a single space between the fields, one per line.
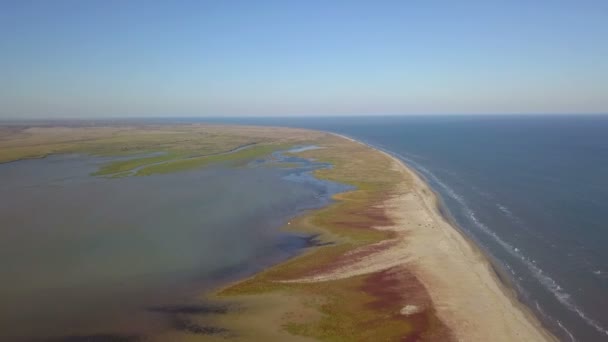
x=95 y=59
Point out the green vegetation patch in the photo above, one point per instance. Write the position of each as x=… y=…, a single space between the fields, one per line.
x=130 y=164
x=237 y=158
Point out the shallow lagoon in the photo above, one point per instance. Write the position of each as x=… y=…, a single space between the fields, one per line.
x=84 y=255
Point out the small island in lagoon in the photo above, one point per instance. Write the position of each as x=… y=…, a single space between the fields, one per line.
x=376 y=262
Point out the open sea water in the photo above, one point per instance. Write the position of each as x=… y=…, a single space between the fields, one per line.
x=531 y=191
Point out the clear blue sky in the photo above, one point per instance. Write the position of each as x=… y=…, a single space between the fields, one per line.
x=212 y=58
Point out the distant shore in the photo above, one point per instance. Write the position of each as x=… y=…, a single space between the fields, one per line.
x=467 y=294
x=386 y=264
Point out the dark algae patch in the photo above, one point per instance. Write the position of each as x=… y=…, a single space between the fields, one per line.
x=96 y=338
x=191 y=309
x=185 y=325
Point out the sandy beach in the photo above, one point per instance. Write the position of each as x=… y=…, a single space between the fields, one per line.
x=465 y=292
x=388 y=265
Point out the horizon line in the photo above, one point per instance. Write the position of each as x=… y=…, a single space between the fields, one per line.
x=285 y=116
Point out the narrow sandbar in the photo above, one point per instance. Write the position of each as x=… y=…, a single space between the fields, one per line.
x=466 y=294
x=387 y=266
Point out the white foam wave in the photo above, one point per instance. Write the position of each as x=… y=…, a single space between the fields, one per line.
x=567 y=331
x=479 y=191
x=557 y=321
x=504 y=209
x=549 y=283
x=429 y=175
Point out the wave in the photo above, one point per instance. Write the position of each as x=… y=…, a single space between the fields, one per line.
x=566 y=330
x=545 y=280
x=548 y=283
x=600 y=274
x=559 y=323
x=505 y=210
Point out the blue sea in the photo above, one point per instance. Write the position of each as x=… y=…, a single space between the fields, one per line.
x=531 y=191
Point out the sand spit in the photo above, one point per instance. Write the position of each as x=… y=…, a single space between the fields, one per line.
x=466 y=294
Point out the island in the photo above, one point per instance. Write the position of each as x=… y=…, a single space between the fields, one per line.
x=383 y=263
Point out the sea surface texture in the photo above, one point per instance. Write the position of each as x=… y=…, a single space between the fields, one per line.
x=531 y=191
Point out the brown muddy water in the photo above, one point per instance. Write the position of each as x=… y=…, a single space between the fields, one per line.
x=90 y=256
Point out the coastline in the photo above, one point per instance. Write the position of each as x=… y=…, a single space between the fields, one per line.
x=388 y=265
x=496 y=314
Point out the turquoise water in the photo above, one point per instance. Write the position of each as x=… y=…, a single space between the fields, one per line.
x=532 y=191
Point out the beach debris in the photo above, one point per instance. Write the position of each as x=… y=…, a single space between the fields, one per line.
x=410 y=310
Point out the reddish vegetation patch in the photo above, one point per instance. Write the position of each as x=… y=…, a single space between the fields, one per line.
x=362 y=218
x=393 y=289
x=351 y=257
x=365 y=218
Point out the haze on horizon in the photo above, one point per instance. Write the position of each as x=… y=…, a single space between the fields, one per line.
x=84 y=59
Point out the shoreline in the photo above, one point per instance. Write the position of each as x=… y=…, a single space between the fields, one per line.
x=518 y=320
x=390 y=264
x=445 y=214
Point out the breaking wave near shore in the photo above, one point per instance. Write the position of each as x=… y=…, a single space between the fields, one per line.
x=547 y=282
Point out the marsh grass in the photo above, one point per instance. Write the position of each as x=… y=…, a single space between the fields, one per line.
x=233 y=159
x=344 y=306
x=338 y=310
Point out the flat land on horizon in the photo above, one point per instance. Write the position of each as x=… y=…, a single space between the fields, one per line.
x=385 y=264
